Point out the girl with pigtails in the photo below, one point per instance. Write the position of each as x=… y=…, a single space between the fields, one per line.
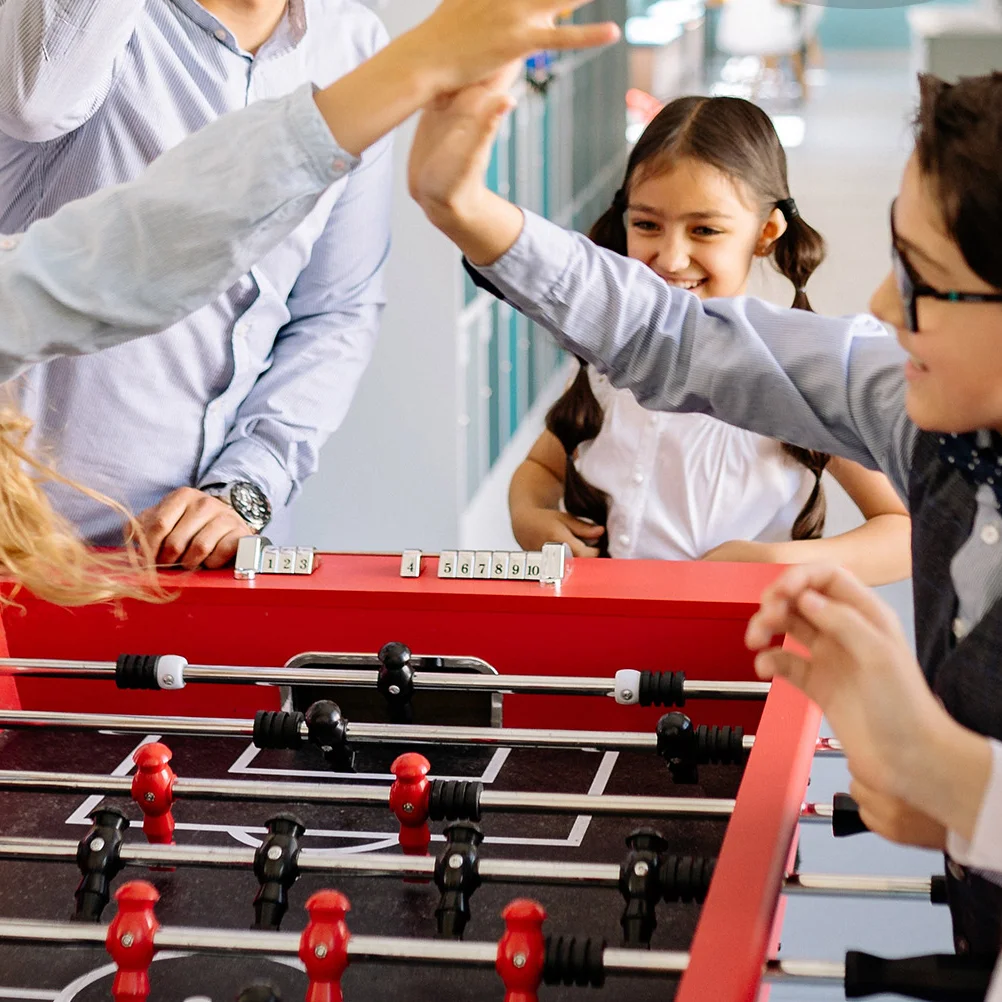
x=705 y=194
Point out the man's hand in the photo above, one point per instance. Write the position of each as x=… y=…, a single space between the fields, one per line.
x=740 y=551
x=896 y=820
x=535 y=526
x=193 y=529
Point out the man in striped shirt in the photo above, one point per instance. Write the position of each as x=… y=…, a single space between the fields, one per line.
x=246 y=390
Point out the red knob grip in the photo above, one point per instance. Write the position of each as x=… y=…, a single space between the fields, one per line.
x=323 y=947
x=409 y=802
x=153 y=791
x=130 y=940
x=522 y=950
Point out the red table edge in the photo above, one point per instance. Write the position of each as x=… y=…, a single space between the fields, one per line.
x=736 y=925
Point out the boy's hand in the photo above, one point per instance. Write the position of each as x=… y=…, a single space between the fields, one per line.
x=859 y=669
x=896 y=820
x=535 y=526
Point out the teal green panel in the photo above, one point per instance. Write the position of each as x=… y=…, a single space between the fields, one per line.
x=494 y=377
x=473 y=430
x=514 y=412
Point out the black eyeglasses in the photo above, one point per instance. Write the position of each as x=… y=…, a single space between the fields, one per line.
x=912 y=290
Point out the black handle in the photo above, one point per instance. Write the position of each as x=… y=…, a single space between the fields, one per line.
x=845 y=816
x=937 y=977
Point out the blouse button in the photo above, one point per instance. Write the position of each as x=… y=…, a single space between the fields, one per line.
x=220 y=33
x=638 y=478
x=653 y=420
x=624 y=540
x=7 y=243
x=990 y=535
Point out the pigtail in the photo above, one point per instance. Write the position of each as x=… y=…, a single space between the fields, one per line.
x=576 y=418
x=797 y=255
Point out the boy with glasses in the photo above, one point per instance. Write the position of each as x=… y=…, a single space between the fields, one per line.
x=925 y=408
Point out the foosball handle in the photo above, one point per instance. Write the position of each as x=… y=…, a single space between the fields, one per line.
x=409 y=796
x=937 y=977
x=522 y=950
x=153 y=791
x=396 y=681
x=323 y=946
x=640 y=885
x=457 y=877
x=130 y=940
x=276 y=866
x=99 y=863
x=845 y=817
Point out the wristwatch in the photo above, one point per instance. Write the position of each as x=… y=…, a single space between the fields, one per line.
x=246 y=499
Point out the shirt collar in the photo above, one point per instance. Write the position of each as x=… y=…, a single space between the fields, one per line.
x=291 y=30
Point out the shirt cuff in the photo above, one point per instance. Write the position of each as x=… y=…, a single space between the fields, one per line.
x=248 y=460
x=330 y=161
x=535 y=264
x=984 y=851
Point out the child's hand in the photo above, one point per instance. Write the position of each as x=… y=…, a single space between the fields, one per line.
x=452 y=146
x=741 y=551
x=896 y=820
x=535 y=526
x=860 y=670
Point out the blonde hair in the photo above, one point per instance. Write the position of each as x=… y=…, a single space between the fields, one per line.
x=41 y=551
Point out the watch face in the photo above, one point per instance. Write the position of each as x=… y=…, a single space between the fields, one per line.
x=250 y=504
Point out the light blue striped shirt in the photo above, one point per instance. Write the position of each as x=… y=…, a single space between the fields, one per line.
x=249 y=386
x=134 y=258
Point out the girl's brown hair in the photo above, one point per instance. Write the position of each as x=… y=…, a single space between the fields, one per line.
x=42 y=552
x=737 y=138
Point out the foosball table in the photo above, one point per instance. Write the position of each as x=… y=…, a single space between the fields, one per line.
x=352 y=784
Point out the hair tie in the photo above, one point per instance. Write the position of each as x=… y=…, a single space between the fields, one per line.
x=789 y=208
x=619 y=202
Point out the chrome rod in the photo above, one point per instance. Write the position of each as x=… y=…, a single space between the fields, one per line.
x=333 y=793
x=805 y=972
x=480 y=677
x=845 y=885
x=362 y=733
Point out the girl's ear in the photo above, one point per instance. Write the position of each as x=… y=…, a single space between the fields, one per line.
x=772 y=229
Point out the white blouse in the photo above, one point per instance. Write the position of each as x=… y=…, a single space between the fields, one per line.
x=682 y=484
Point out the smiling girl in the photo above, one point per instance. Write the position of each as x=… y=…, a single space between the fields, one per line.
x=705 y=194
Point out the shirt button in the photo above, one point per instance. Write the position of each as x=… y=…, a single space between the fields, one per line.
x=955 y=869
x=624 y=540
x=653 y=420
x=220 y=33
x=959 y=628
x=638 y=478
x=340 y=164
x=6 y=243
x=242 y=329
x=990 y=535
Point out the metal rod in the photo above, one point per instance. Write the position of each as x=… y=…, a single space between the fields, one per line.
x=500 y=871
x=334 y=793
x=479 y=678
x=804 y=972
x=844 y=885
x=382 y=949
x=362 y=733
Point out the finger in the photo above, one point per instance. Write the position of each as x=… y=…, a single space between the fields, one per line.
x=226 y=549
x=837 y=622
x=579 y=549
x=583 y=530
x=578 y=36
x=205 y=540
x=770 y=621
x=159 y=521
x=777 y=663
x=838 y=585
x=196 y=516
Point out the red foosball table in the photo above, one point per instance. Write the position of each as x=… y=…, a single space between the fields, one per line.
x=532 y=782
